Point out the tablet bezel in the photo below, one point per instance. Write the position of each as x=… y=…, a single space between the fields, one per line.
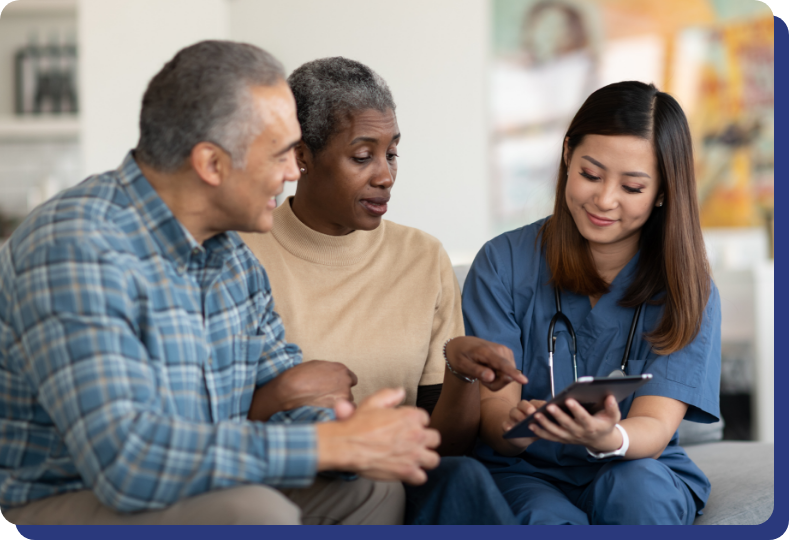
x=590 y=392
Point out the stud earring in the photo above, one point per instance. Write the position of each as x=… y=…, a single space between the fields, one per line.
x=303 y=170
x=660 y=204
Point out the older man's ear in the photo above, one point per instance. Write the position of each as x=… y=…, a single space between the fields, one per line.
x=211 y=163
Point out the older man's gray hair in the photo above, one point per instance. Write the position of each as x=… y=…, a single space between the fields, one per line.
x=203 y=95
x=329 y=90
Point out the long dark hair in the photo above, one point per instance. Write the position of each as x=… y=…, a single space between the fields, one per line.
x=673 y=264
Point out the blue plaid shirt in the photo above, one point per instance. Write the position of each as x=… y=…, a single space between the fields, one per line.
x=129 y=355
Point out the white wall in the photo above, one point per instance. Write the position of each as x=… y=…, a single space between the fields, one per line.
x=122 y=44
x=442 y=180
x=432 y=54
x=764 y=390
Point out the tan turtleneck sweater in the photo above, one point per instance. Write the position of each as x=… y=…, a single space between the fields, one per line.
x=382 y=302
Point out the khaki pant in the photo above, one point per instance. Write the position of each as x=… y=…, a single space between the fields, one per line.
x=326 y=502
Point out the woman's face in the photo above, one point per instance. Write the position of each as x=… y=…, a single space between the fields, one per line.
x=612 y=187
x=346 y=186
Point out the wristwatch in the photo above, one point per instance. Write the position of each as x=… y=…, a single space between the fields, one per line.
x=616 y=453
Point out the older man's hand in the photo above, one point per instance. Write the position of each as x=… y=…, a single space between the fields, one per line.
x=378 y=440
x=318 y=383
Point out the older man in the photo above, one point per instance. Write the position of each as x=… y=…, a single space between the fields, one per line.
x=144 y=375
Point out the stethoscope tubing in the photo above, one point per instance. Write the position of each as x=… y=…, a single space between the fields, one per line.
x=559 y=316
x=630 y=337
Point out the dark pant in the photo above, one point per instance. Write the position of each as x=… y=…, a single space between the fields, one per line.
x=633 y=492
x=460 y=491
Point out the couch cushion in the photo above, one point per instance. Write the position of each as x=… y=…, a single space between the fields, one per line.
x=461 y=271
x=742 y=478
x=695 y=433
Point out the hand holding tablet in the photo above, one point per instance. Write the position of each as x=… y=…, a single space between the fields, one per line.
x=590 y=392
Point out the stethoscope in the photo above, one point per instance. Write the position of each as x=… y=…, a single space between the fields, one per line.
x=559 y=316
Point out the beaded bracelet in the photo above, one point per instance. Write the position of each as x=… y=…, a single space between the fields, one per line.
x=449 y=366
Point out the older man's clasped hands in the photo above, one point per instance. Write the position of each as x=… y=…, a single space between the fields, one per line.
x=387 y=442
x=378 y=439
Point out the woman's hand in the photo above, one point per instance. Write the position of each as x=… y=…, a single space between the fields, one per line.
x=517 y=415
x=596 y=432
x=497 y=416
x=318 y=383
x=492 y=364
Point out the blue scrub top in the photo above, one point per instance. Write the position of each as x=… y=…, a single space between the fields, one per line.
x=507 y=299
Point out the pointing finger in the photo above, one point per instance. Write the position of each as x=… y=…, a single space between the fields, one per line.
x=503 y=366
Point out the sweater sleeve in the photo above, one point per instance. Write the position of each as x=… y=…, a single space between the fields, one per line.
x=447 y=321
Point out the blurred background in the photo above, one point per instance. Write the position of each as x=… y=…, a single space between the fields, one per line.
x=485 y=90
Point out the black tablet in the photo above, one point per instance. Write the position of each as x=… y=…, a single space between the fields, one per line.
x=590 y=392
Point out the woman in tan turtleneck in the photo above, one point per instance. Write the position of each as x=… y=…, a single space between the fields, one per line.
x=379 y=297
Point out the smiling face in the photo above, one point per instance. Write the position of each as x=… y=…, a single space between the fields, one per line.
x=346 y=186
x=612 y=187
x=248 y=193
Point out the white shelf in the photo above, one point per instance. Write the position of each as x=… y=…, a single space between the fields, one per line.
x=39 y=128
x=35 y=7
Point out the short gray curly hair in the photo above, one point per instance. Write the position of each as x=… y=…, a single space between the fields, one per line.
x=328 y=90
x=203 y=95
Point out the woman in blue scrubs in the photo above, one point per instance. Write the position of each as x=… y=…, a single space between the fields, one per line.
x=625 y=233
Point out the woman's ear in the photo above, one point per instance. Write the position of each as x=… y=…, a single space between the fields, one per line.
x=303 y=157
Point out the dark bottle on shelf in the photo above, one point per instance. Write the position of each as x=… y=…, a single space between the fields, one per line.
x=48 y=84
x=68 y=77
x=26 y=68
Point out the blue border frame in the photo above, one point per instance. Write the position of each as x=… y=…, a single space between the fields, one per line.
x=771 y=529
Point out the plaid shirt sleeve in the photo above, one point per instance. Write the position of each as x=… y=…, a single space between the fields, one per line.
x=106 y=396
x=281 y=354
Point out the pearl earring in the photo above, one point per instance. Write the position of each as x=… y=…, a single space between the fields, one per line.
x=303 y=170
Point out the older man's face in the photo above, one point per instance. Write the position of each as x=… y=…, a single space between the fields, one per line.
x=270 y=163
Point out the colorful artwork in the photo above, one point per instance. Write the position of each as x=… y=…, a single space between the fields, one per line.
x=714 y=56
x=734 y=124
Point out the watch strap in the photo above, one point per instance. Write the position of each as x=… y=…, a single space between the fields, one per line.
x=616 y=453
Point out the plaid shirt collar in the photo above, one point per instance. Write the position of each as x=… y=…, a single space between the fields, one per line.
x=173 y=239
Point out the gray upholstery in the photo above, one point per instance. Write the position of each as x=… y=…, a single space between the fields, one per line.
x=695 y=433
x=742 y=478
x=461 y=271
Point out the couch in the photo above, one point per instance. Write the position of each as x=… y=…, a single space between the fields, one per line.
x=741 y=474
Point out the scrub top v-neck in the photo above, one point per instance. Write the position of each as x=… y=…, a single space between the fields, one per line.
x=508 y=299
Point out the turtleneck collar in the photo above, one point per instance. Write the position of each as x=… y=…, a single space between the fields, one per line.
x=312 y=246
